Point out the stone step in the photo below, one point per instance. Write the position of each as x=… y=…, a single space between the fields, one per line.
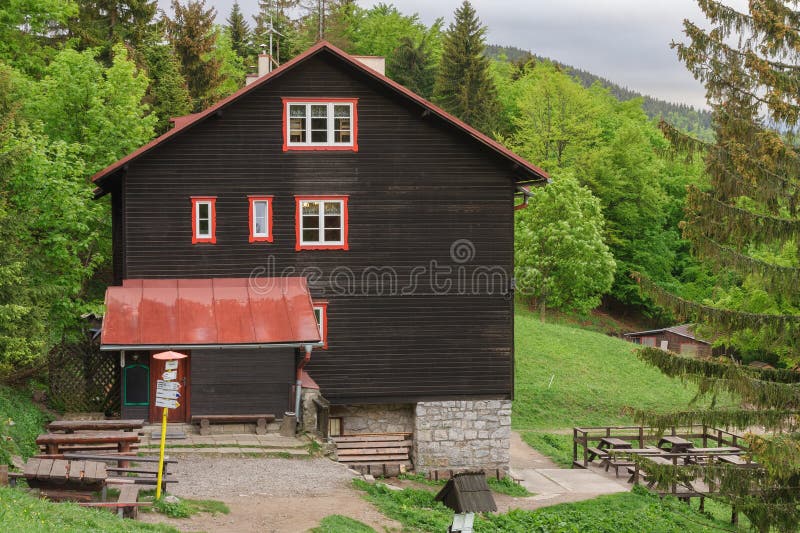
x=289 y=453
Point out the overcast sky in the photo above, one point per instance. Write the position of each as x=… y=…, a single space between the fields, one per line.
x=626 y=41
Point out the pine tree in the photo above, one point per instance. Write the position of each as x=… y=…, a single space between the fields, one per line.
x=464 y=85
x=192 y=36
x=239 y=31
x=746 y=222
x=411 y=64
x=168 y=94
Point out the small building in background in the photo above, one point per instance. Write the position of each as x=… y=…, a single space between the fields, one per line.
x=466 y=493
x=679 y=339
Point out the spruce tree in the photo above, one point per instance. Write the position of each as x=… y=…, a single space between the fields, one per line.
x=745 y=223
x=412 y=65
x=464 y=85
x=192 y=36
x=168 y=94
x=240 y=32
x=103 y=23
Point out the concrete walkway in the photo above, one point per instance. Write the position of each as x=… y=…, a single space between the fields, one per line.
x=189 y=442
x=551 y=484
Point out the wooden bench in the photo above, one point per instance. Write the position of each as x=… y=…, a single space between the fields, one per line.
x=387 y=454
x=71 y=426
x=595 y=453
x=124 y=472
x=260 y=421
x=63 y=476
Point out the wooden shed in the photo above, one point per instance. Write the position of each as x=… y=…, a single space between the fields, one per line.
x=679 y=339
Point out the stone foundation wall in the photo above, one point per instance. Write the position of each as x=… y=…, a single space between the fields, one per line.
x=462 y=435
x=388 y=418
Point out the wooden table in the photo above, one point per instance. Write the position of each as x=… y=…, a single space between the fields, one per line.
x=613 y=443
x=71 y=426
x=677 y=444
x=62 y=474
x=58 y=443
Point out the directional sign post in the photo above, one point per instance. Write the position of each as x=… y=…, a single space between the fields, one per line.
x=167 y=394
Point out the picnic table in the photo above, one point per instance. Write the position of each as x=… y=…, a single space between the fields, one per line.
x=57 y=443
x=71 y=426
x=677 y=444
x=62 y=474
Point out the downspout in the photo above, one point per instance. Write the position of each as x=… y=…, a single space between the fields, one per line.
x=298 y=383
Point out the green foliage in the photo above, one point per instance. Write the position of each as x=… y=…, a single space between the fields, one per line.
x=508 y=487
x=341 y=524
x=23 y=512
x=464 y=85
x=28 y=29
x=566 y=377
x=193 y=39
x=618 y=513
x=168 y=94
x=105 y=23
x=231 y=65
x=561 y=260
x=290 y=42
x=20 y=423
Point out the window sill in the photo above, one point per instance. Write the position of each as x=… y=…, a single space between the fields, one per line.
x=301 y=247
x=304 y=148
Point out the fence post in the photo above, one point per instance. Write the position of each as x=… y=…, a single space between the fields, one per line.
x=641 y=437
x=574 y=446
x=705 y=439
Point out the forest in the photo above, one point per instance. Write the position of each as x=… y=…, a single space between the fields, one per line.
x=84 y=83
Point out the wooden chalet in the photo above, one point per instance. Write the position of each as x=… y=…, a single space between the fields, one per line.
x=323 y=225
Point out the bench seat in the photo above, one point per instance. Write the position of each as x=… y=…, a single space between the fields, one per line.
x=260 y=421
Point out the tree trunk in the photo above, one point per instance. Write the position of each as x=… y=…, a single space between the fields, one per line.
x=542 y=308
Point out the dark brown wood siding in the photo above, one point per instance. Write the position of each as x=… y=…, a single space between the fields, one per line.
x=229 y=382
x=418 y=190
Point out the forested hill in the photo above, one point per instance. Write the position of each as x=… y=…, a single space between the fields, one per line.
x=684 y=117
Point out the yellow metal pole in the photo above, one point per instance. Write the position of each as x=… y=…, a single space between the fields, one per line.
x=161 y=454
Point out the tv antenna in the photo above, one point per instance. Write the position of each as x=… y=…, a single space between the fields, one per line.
x=270 y=29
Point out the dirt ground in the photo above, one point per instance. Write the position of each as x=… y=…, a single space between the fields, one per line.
x=269 y=495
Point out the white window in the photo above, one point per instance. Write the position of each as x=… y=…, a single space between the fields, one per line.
x=320 y=124
x=321 y=314
x=203 y=219
x=322 y=222
x=260 y=218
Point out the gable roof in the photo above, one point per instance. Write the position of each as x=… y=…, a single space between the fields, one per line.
x=467 y=492
x=684 y=330
x=184 y=123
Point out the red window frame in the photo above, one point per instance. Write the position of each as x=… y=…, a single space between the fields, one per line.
x=211 y=239
x=345 y=223
x=348 y=148
x=323 y=306
x=251 y=212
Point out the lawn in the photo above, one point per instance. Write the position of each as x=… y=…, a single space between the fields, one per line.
x=618 y=513
x=566 y=376
x=20 y=423
x=21 y=512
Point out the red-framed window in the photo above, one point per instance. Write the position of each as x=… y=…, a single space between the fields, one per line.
x=260 y=215
x=321 y=314
x=321 y=222
x=204 y=219
x=320 y=124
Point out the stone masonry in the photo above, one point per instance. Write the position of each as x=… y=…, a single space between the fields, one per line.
x=462 y=435
x=389 y=418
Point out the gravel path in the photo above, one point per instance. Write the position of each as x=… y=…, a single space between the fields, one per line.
x=226 y=477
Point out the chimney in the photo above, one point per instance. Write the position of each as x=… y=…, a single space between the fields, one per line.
x=263 y=68
x=376 y=63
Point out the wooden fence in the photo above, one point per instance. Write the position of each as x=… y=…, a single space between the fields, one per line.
x=84 y=379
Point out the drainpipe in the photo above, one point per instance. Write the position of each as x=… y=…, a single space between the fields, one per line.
x=298 y=385
x=526 y=193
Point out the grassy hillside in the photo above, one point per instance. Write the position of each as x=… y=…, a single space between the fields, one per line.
x=568 y=377
x=20 y=423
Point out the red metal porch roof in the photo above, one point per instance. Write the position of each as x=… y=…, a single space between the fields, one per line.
x=163 y=313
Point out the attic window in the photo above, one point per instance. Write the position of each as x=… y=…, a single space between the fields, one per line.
x=320 y=124
x=204 y=219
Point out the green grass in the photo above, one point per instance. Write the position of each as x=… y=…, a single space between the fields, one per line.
x=555 y=446
x=508 y=486
x=566 y=377
x=20 y=423
x=22 y=512
x=183 y=508
x=630 y=512
x=341 y=524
